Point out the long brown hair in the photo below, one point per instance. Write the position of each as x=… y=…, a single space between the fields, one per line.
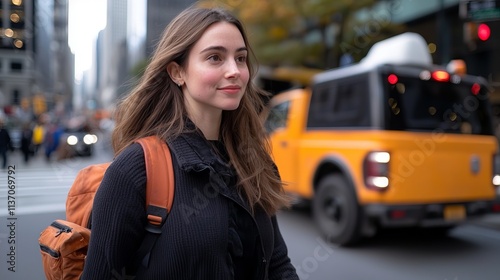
x=156 y=107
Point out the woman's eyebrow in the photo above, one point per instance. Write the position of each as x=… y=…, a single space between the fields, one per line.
x=222 y=49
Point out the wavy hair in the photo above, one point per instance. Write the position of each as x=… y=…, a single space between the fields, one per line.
x=156 y=107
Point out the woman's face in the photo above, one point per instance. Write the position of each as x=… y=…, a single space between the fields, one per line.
x=216 y=73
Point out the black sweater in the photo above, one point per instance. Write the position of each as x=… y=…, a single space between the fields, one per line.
x=201 y=238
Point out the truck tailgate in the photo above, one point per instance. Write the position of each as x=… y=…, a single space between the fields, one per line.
x=441 y=168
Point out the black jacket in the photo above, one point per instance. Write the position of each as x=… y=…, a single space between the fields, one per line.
x=5 y=141
x=196 y=236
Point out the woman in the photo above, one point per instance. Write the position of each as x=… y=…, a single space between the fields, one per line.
x=197 y=94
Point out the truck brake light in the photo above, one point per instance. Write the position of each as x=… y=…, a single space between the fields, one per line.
x=376 y=170
x=392 y=79
x=475 y=89
x=441 y=76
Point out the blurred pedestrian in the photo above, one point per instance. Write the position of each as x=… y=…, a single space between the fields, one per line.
x=51 y=139
x=38 y=136
x=5 y=143
x=26 y=141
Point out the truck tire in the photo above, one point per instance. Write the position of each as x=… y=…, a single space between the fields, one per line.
x=336 y=211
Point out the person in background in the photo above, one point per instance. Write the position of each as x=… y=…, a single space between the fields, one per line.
x=52 y=138
x=5 y=144
x=197 y=95
x=38 y=135
x=26 y=141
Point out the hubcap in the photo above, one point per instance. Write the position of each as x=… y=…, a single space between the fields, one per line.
x=333 y=209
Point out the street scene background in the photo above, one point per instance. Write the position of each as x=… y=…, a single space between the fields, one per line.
x=65 y=63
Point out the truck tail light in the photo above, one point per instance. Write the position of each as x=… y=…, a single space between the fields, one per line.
x=496 y=172
x=376 y=170
x=496 y=208
x=440 y=76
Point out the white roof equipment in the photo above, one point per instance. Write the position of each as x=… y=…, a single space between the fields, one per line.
x=406 y=48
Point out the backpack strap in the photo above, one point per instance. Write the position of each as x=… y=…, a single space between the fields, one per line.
x=160 y=179
x=159 y=191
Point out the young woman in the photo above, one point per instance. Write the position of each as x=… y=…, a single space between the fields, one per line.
x=197 y=94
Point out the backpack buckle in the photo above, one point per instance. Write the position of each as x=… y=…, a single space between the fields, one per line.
x=156 y=217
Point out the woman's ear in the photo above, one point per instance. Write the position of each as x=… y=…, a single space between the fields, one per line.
x=174 y=71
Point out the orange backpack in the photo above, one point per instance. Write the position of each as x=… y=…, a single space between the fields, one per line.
x=64 y=243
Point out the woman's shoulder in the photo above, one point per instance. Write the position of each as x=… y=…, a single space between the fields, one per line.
x=130 y=164
x=132 y=154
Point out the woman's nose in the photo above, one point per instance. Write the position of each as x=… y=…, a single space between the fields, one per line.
x=233 y=71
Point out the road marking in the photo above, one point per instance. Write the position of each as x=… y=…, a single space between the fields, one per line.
x=44 y=208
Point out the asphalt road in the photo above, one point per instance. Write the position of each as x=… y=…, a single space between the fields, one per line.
x=469 y=252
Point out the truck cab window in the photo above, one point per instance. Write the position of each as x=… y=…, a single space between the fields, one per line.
x=278 y=117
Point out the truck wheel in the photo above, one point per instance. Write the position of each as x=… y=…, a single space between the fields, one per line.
x=336 y=211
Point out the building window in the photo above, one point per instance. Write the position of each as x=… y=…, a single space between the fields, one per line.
x=12 y=38
x=18 y=44
x=16 y=66
x=17 y=19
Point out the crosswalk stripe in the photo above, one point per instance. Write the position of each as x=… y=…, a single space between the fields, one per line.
x=37 y=182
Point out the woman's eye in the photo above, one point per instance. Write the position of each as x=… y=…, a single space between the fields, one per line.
x=214 y=58
x=242 y=59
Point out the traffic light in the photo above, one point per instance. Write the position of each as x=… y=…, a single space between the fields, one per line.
x=483 y=32
x=476 y=34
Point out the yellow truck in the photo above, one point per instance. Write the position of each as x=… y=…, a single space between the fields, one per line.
x=391 y=141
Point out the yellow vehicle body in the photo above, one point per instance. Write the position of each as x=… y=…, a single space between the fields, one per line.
x=425 y=167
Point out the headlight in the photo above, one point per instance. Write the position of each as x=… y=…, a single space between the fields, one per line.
x=72 y=140
x=90 y=139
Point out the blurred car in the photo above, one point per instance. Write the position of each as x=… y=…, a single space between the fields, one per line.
x=77 y=142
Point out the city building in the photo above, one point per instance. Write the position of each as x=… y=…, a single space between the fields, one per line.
x=159 y=14
x=36 y=64
x=113 y=51
x=17 y=77
x=133 y=29
x=63 y=62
